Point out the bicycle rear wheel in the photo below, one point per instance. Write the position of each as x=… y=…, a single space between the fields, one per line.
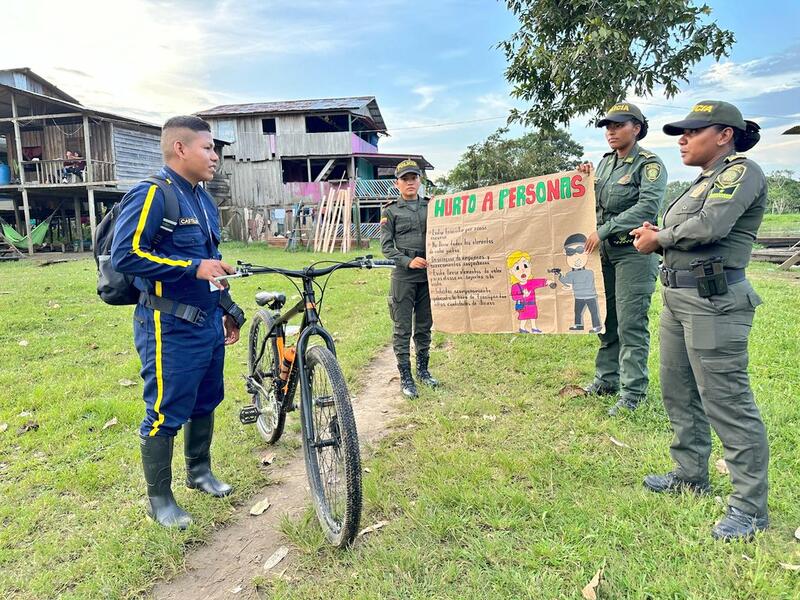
x=333 y=460
x=264 y=368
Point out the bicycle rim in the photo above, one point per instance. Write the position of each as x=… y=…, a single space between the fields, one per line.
x=333 y=461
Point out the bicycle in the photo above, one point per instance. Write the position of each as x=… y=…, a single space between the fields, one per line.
x=328 y=427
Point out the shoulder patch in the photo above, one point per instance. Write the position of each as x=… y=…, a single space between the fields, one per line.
x=722 y=192
x=652 y=171
x=384 y=220
x=734 y=157
x=731 y=176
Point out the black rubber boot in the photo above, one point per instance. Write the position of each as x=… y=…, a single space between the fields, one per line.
x=423 y=374
x=672 y=483
x=739 y=525
x=157 y=463
x=407 y=381
x=197 y=434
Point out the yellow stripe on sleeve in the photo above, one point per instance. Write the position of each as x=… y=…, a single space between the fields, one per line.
x=137 y=236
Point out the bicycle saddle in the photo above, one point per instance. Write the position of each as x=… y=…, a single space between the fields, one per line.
x=272 y=299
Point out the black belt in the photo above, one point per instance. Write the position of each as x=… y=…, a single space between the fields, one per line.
x=679 y=278
x=192 y=314
x=412 y=253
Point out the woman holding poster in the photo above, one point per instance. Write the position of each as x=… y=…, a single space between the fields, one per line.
x=629 y=187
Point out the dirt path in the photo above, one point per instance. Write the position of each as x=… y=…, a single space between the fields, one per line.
x=225 y=567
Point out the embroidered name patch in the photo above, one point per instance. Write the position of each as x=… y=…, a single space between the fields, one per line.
x=624 y=179
x=188 y=221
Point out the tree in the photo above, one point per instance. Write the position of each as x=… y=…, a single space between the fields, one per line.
x=577 y=57
x=784 y=192
x=498 y=160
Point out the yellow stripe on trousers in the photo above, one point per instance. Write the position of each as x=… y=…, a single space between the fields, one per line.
x=159 y=369
x=137 y=235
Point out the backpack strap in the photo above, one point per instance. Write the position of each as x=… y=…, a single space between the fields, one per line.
x=172 y=210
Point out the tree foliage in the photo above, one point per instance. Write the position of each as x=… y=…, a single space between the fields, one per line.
x=498 y=159
x=577 y=57
x=783 y=192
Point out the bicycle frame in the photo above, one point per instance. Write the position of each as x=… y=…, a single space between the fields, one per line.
x=310 y=326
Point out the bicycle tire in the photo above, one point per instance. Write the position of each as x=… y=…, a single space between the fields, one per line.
x=264 y=374
x=339 y=461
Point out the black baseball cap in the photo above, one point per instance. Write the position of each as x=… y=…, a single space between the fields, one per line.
x=405 y=167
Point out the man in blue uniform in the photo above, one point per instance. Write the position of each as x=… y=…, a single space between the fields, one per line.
x=180 y=325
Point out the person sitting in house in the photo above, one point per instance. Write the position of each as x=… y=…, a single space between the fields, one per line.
x=73 y=165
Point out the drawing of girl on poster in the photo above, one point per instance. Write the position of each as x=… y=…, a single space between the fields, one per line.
x=523 y=290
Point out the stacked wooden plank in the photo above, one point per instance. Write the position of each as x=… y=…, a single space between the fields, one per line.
x=334 y=212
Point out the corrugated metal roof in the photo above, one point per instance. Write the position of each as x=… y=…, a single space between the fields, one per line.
x=295 y=106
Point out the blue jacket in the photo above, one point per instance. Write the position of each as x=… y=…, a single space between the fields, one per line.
x=170 y=269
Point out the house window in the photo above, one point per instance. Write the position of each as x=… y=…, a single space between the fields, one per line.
x=294 y=170
x=268 y=125
x=326 y=123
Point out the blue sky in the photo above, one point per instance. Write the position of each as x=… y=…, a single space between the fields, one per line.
x=431 y=65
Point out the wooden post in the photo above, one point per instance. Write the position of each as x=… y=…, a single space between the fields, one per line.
x=92 y=214
x=356 y=206
x=78 y=230
x=18 y=142
x=65 y=228
x=87 y=145
x=17 y=218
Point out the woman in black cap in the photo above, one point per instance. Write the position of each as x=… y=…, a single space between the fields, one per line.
x=629 y=186
x=706 y=240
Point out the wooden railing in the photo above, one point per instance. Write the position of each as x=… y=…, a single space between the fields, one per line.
x=54 y=171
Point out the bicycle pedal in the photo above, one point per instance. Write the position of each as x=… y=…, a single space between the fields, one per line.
x=249 y=414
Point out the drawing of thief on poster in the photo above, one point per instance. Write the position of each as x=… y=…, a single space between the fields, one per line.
x=511 y=258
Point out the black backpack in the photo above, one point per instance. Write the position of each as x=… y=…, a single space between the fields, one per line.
x=115 y=288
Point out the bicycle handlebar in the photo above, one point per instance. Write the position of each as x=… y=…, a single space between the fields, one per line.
x=361 y=262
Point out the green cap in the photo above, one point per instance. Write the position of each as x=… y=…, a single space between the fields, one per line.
x=407 y=166
x=621 y=112
x=707 y=113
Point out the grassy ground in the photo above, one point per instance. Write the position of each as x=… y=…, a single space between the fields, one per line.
x=71 y=515
x=494 y=486
x=497 y=487
x=787 y=224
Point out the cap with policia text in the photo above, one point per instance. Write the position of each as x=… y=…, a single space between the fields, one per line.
x=621 y=112
x=405 y=167
x=715 y=112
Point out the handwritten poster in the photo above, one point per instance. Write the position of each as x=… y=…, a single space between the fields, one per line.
x=511 y=258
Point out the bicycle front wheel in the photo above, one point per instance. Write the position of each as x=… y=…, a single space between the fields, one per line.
x=264 y=368
x=333 y=460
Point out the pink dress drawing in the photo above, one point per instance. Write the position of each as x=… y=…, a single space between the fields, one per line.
x=529 y=310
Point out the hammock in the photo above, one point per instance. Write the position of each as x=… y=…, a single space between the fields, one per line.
x=38 y=233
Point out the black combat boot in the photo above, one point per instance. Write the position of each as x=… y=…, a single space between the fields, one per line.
x=197 y=434
x=672 y=483
x=423 y=374
x=600 y=388
x=407 y=381
x=738 y=525
x=157 y=463
x=628 y=403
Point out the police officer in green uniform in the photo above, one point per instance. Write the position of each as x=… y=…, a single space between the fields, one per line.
x=629 y=186
x=706 y=239
x=404 y=225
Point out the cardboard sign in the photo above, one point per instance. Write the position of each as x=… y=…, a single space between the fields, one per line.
x=511 y=258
